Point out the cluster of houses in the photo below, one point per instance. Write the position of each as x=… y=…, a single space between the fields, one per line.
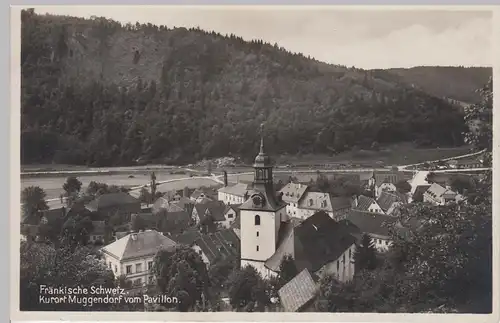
x=257 y=225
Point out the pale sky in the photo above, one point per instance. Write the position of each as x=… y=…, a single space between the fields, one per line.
x=362 y=38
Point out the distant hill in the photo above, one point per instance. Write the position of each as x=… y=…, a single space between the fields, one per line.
x=456 y=83
x=98 y=93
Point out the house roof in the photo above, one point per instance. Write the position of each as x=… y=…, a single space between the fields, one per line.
x=370 y=223
x=136 y=245
x=298 y=292
x=419 y=192
x=99 y=227
x=234 y=207
x=320 y=240
x=387 y=199
x=323 y=201
x=237 y=222
x=53 y=214
x=437 y=190
x=293 y=192
x=364 y=203
x=219 y=245
x=284 y=246
x=208 y=192
x=238 y=189
x=387 y=177
x=214 y=208
x=163 y=204
x=188 y=237
x=111 y=199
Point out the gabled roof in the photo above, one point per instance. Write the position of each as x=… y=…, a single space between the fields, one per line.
x=136 y=245
x=419 y=192
x=234 y=207
x=298 y=292
x=386 y=200
x=387 y=177
x=188 y=237
x=436 y=190
x=219 y=245
x=370 y=223
x=163 y=204
x=238 y=189
x=237 y=222
x=364 y=203
x=111 y=199
x=54 y=214
x=293 y=192
x=208 y=192
x=323 y=201
x=214 y=208
x=319 y=240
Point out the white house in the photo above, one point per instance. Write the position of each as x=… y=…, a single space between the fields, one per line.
x=235 y=194
x=230 y=214
x=385 y=181
x=439 y=195
x=377 y=226
x=292 y=194
x=133 y=255
x=366 y=204
x=312 y=202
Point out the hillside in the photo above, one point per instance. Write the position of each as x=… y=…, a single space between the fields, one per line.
x=98 y=93
x=453 y=82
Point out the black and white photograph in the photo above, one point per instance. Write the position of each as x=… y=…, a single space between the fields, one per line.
x=254 y=159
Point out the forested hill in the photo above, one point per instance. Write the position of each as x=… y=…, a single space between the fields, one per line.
x=98 y=93
x=453 y=82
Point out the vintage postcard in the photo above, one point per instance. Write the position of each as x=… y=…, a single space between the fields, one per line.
x=253 y=163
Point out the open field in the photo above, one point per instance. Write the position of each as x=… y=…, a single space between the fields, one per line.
x=388 y=156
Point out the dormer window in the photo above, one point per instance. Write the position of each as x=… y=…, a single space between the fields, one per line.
x=310 y=202
x=257 y=219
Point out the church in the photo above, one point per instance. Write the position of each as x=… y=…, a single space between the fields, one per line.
x=318 y=244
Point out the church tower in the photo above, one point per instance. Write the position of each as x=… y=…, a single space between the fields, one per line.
x=261 y=216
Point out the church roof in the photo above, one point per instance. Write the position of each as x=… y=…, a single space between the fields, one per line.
x=270 y=202
x=298 y=292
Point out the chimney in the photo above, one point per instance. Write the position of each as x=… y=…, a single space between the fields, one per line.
x=225 y=178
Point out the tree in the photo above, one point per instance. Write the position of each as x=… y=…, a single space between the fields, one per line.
x=144 y=195
x=220 y=271
x=247 y=290
x=33 y=200
x=138 y=223
x=431 y=177
x=479 y=117
x=403 y=187
x=42 y=264
x=76 y=230
x=182 y=273
x=365 y=256
x=288 y=270
x=461 y=184
x=72 y=185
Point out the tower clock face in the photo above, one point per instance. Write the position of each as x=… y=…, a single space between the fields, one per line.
x=258 y=200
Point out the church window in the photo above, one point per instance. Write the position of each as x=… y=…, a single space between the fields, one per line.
x=257 y=233
x=257 y=248
x=257 y=219
x=338 y=265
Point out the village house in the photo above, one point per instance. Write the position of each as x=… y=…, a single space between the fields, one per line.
x=312 y=202
x=439 y=195
x=234 y=194
x=216 y=246
x=390 y=201
x=366 y=204
x=120 y=203
x=299 y=293
x=203 y=193
x=292 y=194
x=377 y=226
x=268 y=235
x=98 y=233
x=209 y=213
x=418 y=193
x=230 y=214
x=132 y=255
x=386 y=181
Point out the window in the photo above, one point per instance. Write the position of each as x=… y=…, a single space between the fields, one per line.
x=230 y=216
x=349 y=253
x=343 y=258
x=338 y=265
x=323 y=204
x=137 y=282
x=116 y=269
x=110 y=265
x=150 y=265
x=138 y=268
x=310 y=202
x=257 y=248
x=257 y=233
x=128 y=269
x=257 y=219
x=150 y=280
